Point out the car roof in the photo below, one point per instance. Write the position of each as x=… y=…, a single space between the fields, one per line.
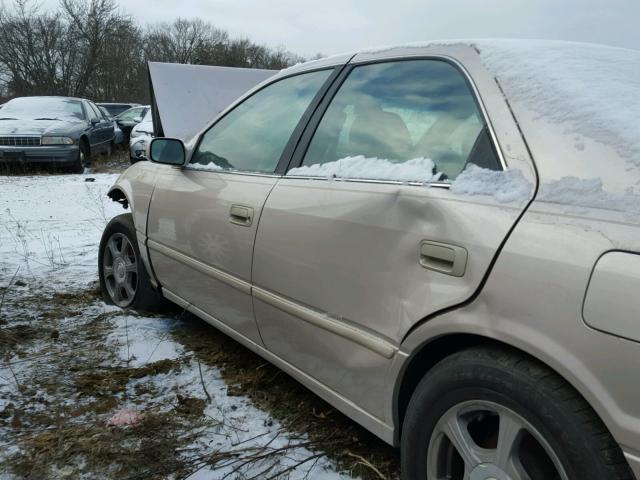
x=50 y=96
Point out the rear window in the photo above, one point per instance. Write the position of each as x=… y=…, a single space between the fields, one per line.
x=116 y=109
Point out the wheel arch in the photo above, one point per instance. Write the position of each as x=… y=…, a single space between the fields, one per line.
x=118 y=195
x=432 y=351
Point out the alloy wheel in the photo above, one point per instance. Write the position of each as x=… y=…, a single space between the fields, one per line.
x=120 y=270
x=482 y=440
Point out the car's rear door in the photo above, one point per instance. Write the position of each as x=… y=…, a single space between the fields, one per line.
x=366 y=239
x=203 y=218
x=104 y=126
x=93 y=119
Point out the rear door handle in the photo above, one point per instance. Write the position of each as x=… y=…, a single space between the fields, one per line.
x=241 y=215
x=443 y=257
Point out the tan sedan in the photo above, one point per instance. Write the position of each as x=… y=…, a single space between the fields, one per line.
x=440 y=240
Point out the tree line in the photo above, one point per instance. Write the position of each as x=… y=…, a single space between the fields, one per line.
x=91 y=49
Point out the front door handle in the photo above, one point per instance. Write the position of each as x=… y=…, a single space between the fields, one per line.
x=443 y=257
x=241 y=215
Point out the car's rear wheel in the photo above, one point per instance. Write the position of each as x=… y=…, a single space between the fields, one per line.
x=488 y=413
x=123 y=277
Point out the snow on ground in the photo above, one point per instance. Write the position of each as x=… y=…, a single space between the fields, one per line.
x=73 y=369
x=236 y=422
x=50 y=226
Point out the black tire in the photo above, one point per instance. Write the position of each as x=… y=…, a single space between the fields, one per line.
x=581 y=442
x=145 y=298
x=82 y=159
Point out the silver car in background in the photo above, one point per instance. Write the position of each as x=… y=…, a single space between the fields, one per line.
x=440 y=240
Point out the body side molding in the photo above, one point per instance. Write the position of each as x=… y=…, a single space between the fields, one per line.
x=324 y=321
x=319 y=319
x=346 y=406
x=213 y=272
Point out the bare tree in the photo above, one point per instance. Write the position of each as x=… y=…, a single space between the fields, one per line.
x=90 y=48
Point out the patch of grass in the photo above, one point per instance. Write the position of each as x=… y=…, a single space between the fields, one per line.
x=144 y=450
x=10 y=337
x=111 y=381
x=116 y=162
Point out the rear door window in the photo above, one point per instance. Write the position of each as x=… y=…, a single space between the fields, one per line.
x=94 y=113
x=413 y=120
x=253 y=136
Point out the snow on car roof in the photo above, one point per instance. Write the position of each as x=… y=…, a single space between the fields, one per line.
x=591 y=90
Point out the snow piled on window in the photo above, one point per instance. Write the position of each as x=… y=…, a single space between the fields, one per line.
x=418 y=170
x=589 y=193
x=509 y=186
x=587 y=89
x=212 y=167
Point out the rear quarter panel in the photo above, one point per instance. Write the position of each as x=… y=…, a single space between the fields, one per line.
x=533 y=301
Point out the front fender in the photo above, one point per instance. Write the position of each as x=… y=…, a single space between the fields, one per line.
x=134 y=189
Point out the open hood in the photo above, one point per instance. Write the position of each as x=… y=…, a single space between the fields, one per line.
x=185 y=98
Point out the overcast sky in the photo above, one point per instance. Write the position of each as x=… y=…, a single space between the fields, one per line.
x=333 y=26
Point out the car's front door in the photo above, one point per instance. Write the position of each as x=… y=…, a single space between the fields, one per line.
x=203 y=218
x=366 y=238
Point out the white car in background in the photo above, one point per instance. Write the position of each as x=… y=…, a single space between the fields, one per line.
x=141 y=136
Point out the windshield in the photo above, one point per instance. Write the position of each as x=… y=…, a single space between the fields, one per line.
x=131 y=115
x=43 y=108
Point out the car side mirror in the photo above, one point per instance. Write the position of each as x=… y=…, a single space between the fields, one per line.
x=169 y=151
x=95 y=121
x=137 y=119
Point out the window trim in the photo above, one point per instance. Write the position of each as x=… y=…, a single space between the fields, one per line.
x=296 y=134
x=310 y=130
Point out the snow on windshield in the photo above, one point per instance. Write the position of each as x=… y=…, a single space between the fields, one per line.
x=43 y=107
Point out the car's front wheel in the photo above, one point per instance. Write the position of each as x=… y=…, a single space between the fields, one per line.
x=489 y=413
x=82 y=158
x=123 y=277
